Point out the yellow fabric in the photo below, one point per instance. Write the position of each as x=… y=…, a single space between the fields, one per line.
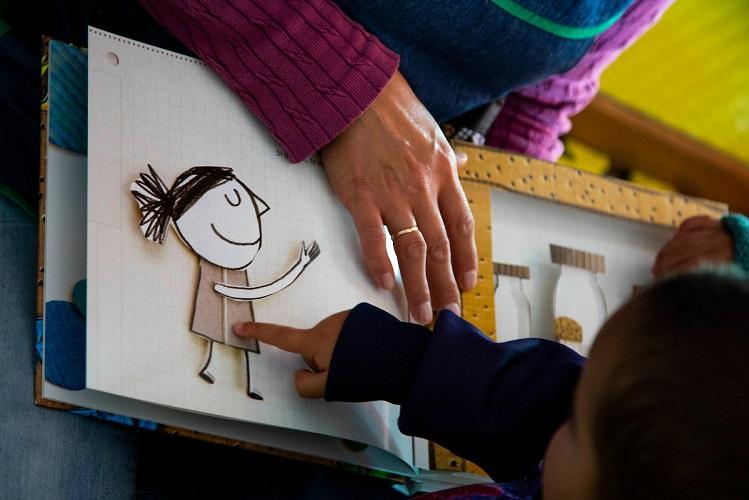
x=691 y=71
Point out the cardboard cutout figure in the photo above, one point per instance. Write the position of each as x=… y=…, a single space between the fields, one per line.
x=218 y=217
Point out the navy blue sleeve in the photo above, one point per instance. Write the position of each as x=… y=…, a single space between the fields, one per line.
x=496 y=404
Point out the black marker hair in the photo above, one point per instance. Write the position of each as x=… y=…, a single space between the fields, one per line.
x=159 y=204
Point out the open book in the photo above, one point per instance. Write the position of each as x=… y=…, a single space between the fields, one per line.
x=183 y=217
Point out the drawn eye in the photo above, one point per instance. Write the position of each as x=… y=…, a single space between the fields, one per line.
x=239 y=199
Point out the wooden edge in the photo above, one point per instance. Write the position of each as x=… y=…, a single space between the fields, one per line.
x=634 y=140
x=43 y=123
x=569 y=186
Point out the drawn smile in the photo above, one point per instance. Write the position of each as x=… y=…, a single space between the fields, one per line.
x=231 y=241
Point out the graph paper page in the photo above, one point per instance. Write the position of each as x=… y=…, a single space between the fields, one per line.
x=152 y=107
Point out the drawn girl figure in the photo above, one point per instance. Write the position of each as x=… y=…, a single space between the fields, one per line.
x=218 y=217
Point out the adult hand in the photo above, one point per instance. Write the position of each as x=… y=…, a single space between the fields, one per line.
x=393 y=166
x=698 y=240
x=315 y=345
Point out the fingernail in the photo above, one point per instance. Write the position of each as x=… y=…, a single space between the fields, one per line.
x=387 y=281
x=469 y=280
x=424 y=313
x=238 y=328
x=453 y=307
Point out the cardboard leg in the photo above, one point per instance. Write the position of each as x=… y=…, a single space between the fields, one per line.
x=251 y=392
x=203 y=373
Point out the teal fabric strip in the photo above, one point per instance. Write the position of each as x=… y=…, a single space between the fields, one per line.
x=738 y=226
x=560 y=30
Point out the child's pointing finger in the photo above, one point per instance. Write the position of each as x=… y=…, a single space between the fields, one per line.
x=284 y=337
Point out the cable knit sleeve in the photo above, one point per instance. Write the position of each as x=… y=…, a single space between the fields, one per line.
x=301 y=66
x=535 y=117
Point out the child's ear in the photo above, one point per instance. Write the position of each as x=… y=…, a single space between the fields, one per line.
x=261 y=206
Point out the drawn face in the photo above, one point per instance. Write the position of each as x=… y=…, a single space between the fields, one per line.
x=223 y=226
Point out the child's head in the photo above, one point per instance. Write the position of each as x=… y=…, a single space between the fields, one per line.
x=214 y=213
x=662 y=409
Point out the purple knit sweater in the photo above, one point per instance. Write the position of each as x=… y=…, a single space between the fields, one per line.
x=307 y=71
x=302 y=67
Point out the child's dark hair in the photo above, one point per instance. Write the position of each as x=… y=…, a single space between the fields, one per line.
x=159 y=204
x=674 y=420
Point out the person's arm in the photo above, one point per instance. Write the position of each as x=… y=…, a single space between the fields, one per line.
x=238 y=292
x=533 y=118
x=497 y=405
x=302 y=67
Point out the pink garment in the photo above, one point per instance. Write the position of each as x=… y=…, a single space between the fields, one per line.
x=302 y=66
x=534 y=117
x=307 y=71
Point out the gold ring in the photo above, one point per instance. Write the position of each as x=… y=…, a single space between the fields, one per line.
x=404 y=231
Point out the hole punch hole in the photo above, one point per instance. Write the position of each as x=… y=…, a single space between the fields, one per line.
x=112 y=59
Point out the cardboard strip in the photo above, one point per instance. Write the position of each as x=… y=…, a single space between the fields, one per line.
x=516 y=271
x=578 y=258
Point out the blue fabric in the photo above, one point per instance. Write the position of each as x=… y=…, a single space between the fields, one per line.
x=46 y=453
x=576 y=13
x=738 y=226
x=505 y=400
x=118 y=419
x=65 y=345
x=488 y=54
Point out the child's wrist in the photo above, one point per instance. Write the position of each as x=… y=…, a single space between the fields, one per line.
x=375 y=357
x=738 y=226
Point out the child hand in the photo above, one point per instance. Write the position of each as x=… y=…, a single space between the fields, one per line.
x=315 y=345
x=698 y=240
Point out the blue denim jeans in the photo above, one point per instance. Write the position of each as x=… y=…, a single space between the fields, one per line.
x=46 y=453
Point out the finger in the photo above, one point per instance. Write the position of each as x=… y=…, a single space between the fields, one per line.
x=695 y=246
x=677 y=247
x=410 y=248
x=371 y=232
x=443 y=289
x=459 y=223
x=310 y=384
x=284 y=337
x=670 y=246
x=698 y=222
